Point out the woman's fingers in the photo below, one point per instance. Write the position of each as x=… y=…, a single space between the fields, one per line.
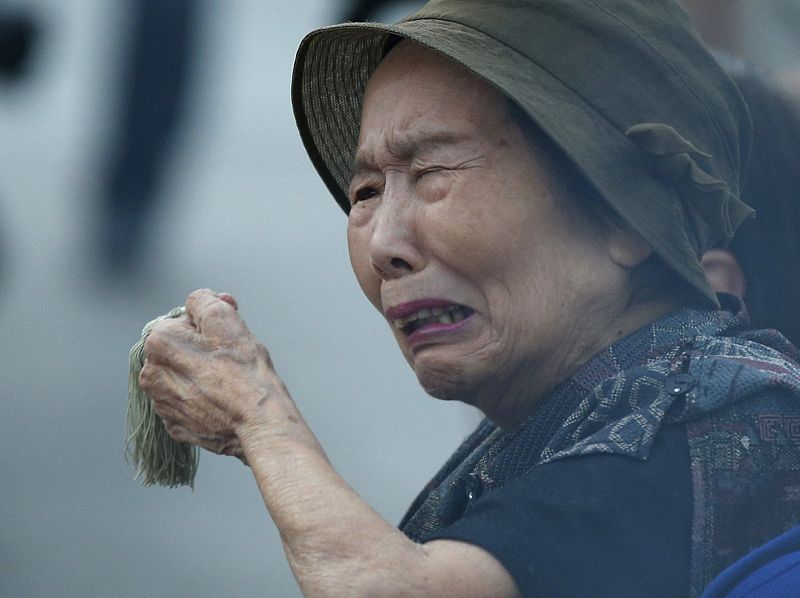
x=187 y=416
x=229 y=299
x=212 y=323
x=206 y=373
x=215 y=317
x=166 y=388
x=174 y=343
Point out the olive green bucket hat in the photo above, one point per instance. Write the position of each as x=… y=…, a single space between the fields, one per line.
x=623 y=87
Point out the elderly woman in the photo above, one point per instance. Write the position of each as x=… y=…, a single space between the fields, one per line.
x=529 y=186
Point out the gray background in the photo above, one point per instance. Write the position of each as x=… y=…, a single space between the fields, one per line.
x=243 y=211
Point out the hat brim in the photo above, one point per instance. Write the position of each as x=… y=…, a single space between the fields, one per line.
x=334 y=64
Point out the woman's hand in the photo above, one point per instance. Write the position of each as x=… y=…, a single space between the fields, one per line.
x=207 y=375
x=213 y=384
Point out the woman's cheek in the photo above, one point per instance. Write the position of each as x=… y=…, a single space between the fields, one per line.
x=465 y=225
x=358 y=248
x=360 y=214
x=436 y=186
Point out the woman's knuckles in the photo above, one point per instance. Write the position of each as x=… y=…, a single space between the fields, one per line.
x=213 y=314
x=151 y=379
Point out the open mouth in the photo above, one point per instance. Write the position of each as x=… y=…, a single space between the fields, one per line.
x=451 y=314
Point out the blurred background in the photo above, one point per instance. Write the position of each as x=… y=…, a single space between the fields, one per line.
x=227 y=200
x=147 y=148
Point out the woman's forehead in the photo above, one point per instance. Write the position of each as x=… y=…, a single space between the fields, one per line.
x=420 y=97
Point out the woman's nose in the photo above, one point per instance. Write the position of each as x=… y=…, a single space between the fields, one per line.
x=395 y=246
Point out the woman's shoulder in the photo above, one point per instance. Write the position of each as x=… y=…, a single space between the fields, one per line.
x=692 y=366
x=742 y=371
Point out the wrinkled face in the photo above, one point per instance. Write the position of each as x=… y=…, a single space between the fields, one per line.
x=456 y=236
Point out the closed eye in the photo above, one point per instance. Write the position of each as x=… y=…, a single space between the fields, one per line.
x=425 y=171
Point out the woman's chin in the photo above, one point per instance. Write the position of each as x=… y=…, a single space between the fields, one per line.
x=455 y=371
x=441 y=379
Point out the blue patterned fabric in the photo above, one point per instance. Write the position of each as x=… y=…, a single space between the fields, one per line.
x=737 y=392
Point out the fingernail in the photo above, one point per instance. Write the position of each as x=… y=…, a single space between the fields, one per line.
x=228 y=298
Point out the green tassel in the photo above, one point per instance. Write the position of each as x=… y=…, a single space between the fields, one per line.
x=159 y=459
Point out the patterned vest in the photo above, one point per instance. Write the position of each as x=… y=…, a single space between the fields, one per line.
x=737 y=393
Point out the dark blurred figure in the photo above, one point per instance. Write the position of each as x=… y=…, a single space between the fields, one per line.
x=153 y=98
x=18 y=32
x=366 y=10
x=762 y=263
x=17 y=35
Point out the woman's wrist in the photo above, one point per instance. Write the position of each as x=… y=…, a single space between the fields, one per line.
x=277 y=424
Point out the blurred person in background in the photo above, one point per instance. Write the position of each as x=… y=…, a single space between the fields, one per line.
x=529 y=190
x=368 y=10
x=762 y=264
x=155 y=73
x=762 y=33
x=18 y=33
x=770 y=37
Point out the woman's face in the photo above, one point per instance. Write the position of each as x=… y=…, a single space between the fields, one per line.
x=493 y=292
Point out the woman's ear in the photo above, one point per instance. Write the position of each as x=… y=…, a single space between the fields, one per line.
x=723 y=272
x=627 y=249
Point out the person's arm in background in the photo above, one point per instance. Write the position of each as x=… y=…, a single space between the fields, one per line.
x=215 y=386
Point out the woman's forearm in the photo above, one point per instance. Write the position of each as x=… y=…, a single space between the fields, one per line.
x=214 y=385
x=335 y=542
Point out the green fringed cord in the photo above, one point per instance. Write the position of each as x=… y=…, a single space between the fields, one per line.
x=159 y=460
